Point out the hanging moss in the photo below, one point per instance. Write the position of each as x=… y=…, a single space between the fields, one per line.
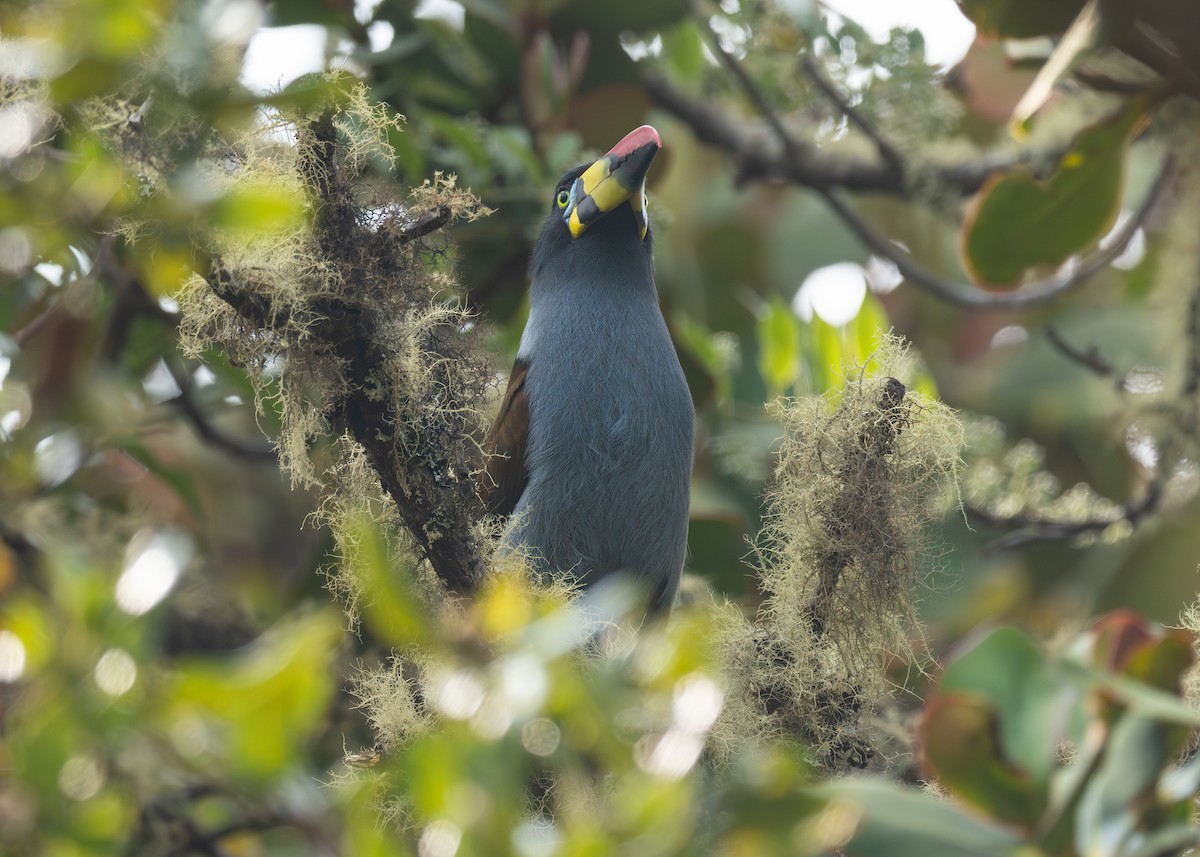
x=862 y=475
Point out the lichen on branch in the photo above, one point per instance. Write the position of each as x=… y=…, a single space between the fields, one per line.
x=862 y=476
x=347 y=320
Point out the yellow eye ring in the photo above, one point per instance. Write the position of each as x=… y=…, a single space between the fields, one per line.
x=563 y=198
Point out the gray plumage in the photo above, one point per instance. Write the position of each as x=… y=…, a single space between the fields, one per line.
x=611 y=422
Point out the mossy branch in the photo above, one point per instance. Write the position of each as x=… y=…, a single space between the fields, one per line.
x=858 y=514
x=389 y=360
x=862 y=476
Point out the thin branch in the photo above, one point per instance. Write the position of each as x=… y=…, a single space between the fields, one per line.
x=1040 y=530
x=1191 y=382
x=1033 y=294
x=1091 y=359
x=1101 y=82
x=428 y=223
x=748 y=84
x=760 y=156
x=190 y=408
x=886 y=150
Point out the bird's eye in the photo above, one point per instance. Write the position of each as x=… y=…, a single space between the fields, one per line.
x=563 y=198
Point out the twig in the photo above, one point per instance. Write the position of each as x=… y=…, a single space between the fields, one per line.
x=1191 y=380
x=1104 y=83
x=190 y=408
x=886 y=150
x=749 y=86
x=1033 y=294
x=1040 y=530
x=1091 y=359
x=761 y=157
x=428 y=223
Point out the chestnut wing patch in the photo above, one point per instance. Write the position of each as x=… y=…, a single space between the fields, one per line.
x=506 y=474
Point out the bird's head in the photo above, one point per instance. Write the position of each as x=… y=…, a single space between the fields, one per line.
x=605 y=199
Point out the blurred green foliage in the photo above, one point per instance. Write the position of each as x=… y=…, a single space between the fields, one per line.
x=173 y=677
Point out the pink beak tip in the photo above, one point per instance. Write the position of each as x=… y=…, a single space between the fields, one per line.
x=636 y=139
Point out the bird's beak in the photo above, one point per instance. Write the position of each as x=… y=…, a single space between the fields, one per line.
x=615 y=178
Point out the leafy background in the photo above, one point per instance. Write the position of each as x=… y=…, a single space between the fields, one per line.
x=177 y=679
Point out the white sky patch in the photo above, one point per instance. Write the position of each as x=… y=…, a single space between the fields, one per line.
x=698 y=702
x=1141 y=447
x=364 y=10
x=115 y=672
x=153 y=562
x=440 y=839
x=278 y=55
x=56 y=457
x=1134 y=251
x=19 y=124
x=669 y=755
x=160 y=384
x=834 y=293
x=447 y=11
x=11 y=420
x=12 y=656
x=203 y=376
x=82 y=260
x=1010 y=334
x=536 y=837
x=81 y=777
x=14 y=250
x=522 y=681
x=540 y=736
x=51 y=271
x=381 y=34
x=457 y=694
x=882 y=274
x=948 y=34
x=232 y=21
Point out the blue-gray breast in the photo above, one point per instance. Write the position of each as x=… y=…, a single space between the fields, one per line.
x=593 y=443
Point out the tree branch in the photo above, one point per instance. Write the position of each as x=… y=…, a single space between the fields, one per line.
x=1091 y=359
x=190 y=408
x=1040 y=530
x=885 y=149
x=435 y=497
x=1033 y=294
x=748 y=84
x=761 y=156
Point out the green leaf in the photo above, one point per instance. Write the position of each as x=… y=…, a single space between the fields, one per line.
x=1021 y=19
x=182 y=482
x=1111 y=808
x=1035 y=710
x=388 y=603
x=312 y=12
x=779 y=346
x=615 y=16
x=683 y=48
x=901 y=822
x=269 y=699
x=1179 y=838
x=960 y=735
x=260 y=207
x=1163 y=663
x=1018 y=222
x=1143 y=698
